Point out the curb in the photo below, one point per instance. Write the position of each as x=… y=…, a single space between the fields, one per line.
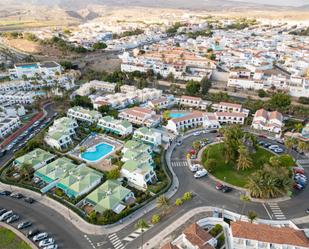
x=19 y=234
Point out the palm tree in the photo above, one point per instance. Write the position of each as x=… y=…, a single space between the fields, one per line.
x=142 y=225
x=302 y=146
x=289 y=143
x=162 y=202
x=244 y=160
x=298 y=127
x=252 y=215
x=26 y=170
x=196 y=145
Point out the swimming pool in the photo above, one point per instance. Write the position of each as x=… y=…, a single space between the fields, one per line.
x=26 y=66
x=97 y=153
x=178 y=114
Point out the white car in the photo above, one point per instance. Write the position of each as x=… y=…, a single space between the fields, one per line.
x=46 y=242
x=54 y=246
x=194 y=167
x=274 y=146
x=197 y=133
x=40 y=236
x=200 y=173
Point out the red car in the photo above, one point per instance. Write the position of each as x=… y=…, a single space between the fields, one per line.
x=298 y=186
x=298 y=170
x=219 y=186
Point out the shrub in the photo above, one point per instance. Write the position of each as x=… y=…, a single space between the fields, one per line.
x=178 y=202
x=216 y=230
x=155 y=219
x=187 y=196
x=59 y=192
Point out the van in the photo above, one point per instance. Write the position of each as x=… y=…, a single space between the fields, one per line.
x=6 y=215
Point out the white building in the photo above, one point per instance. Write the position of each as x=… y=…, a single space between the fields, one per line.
x=18 y=97
x=119 y=127
x=31 y=70
x=192 y=102
x=229 y=107
x=8 y=124
x=84 y=115
x=148 y=135
x=268 y=121
x=96 y=85
x=162 y=103
x=140 y=116
x=138 y=174
x=231 y=117
x=245 y=235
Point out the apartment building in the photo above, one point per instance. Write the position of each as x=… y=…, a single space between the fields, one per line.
x=134 y=145
x=83 y=114
x=161 y=103
x=193 y=237
x=18 y=97
x=119 y=127
x=96 y=85
x=245 y=235
x=192 y=102
x=138 y=174
x=8 y=124
x=229 y=107
x=231 y=117
x=268 y=121
x=140 y=116
x=31 y=70
x=148 y=136
x=144 y=157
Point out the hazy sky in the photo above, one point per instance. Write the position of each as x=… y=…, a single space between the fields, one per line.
x=278 y=2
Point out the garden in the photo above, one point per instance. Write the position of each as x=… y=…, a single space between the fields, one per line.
x=9 y=240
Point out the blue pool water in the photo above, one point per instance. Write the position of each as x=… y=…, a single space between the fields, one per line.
x=28 y=66
x=99 y=152
x=178 y=114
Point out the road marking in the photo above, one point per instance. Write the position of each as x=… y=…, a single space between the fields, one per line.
x=136 y=233
x=116 y=242
x=179 y=163
x=276 y=210
x=267 y=211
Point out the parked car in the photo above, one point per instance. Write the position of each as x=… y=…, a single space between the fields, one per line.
x=29 y=200
x=179 y=143
x=298 y=186
x=194 y=167
x=33 y=232
x=24 y=224
x=219 y=186
x=273 y=146
x=200 y=173
x=197 y=133
x=278 y=150
x=12 y=219
x=46 y=242
x=40 y=236
x=307 y=211
x=226 y=189
x=2 y=211
x=298 y=170
x=5 y=192
x=17 y=195
x=54 y=246
x=6 y=215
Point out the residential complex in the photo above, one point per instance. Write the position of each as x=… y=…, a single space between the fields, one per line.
x=119 y=127
x=8 y=124
x=268 y=121
x=140 y=116
x=192 y=102
x=83 y=114
x=95 y=85
x=230 y=107
x=148 y=136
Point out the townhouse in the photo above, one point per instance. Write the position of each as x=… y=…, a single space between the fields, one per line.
x=83 y=114
x=8 y=124
x=148 y=136
x=119 y=127
x=18 y=97
x=59 y=135
x=31 y=70
x=193 y=236
x=109 y=196
x=138 y=174
x=161 y=103
x=192 y=102
x=229 y=107
x=143 y=157
x=134 y=145
x=96 y=85
x=140 y=116
x=268 y=121
x=231 y=117
x=37 y=159
x=245 y=235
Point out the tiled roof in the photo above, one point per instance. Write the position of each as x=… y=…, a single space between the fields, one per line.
x=267 y=233
x=198 y=236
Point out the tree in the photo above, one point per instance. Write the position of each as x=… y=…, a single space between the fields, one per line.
x=113 y=174
x=205 y=85
x=252 y=215
x=196 y=145
x=302 y=146
x=262 y=93
x=166 y=115
x=142 y=225
x=210 y=164
x=187 y=196
x=280 y=100
x=82 y=101
x=289 y=143
x=244 y=160
x=170 y=77
x=162 y=202
x=66 y=64
x=178 y=202
x=298 y=127
x=155 y=219
x=193 y=87
x=99 y=45
x=26 y=170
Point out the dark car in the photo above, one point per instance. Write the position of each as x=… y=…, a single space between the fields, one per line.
x=33 y=232
x=5 y=192
x=307 y=211
x=24 y=224
x=29 y=200
x=226 y=189
x=17 y=195
x=2 y=211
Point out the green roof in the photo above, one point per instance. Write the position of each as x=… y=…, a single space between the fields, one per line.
x=107 y=196
x=132 y=165
x=56 y=135
x=136 y=155
x=137 y=145
x=145 y=131
x=92 y=113
x=34 y=157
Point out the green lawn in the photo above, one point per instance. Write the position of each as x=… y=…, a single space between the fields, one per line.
x=227 y=170
x=9 y=240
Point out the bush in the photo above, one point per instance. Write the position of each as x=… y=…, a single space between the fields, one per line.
x=178 y=202
x=59 y=192
x=155 y=219
x=262 y=93
x=216 y=230
x=210 y=164
x=187 y=196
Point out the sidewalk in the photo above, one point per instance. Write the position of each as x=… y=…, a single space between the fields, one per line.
x=83 y=225
x=19 y=234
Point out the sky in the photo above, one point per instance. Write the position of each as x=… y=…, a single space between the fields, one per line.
x=278 y=2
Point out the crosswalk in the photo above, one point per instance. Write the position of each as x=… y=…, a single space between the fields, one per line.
x=180 y=163
x=136 y=234
x=116 y=242
x=275 y=209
